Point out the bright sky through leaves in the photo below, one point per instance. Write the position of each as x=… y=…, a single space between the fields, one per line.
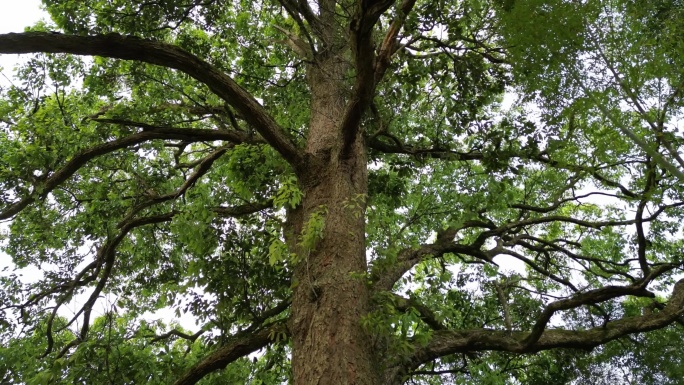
x=14 y=17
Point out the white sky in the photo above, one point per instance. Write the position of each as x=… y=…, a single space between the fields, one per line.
x=15 y=15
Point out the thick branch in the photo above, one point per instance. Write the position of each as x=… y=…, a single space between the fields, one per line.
x=363 y=51
x=167 y=55
x=239 y=347
x=385 y=277
x=580 y=299
x=448 y=342
x=642 y=243
x=301 y=7
x=390 y=42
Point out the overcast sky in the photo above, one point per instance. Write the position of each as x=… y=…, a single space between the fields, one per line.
x=15 y=15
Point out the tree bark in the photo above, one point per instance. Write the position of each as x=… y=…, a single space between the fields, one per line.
x=330 y=346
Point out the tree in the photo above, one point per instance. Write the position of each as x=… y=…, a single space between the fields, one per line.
x=334 y=191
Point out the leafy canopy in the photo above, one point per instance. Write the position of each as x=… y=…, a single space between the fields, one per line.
x=134 y=186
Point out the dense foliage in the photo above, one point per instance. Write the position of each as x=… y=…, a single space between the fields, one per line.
x=197 y=157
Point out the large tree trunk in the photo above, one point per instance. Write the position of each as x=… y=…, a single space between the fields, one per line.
x=330 y=346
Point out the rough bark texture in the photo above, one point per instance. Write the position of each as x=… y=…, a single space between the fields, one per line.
x=330 y=300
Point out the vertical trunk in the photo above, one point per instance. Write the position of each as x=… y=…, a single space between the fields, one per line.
x=329 y=344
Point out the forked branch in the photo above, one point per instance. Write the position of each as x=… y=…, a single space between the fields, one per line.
x=166 y=55
x=446 y=342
